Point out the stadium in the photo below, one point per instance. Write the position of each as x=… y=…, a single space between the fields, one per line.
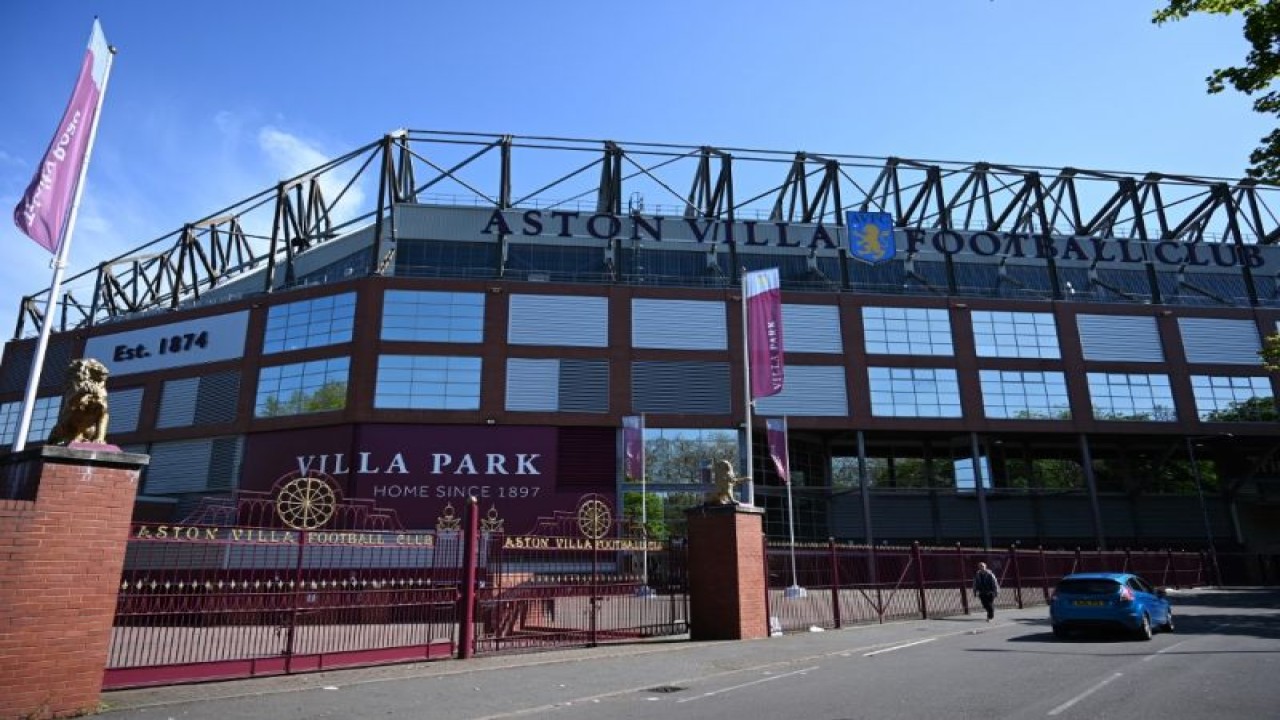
x=975 y=353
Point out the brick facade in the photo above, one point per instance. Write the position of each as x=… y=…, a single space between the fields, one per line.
x=60 y=560
x=726 y=573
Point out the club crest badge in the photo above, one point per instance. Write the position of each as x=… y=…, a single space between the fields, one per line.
x=871 y=236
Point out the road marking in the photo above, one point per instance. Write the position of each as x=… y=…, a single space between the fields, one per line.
x=1083 y=695
x=746 y=684
x=899 y=647
x=1154 y=655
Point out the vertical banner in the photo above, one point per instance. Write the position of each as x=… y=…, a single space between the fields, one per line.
x=762 y=292
x=42 y=213
x=776 y=430
x=633 y=447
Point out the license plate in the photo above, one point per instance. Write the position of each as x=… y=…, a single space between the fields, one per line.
x=1089 y=603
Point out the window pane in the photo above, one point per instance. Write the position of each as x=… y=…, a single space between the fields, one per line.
x=310 y=323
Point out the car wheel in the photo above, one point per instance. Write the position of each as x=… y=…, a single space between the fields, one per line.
x=1060 y=632
x=1144 y=630
x=1168 y=622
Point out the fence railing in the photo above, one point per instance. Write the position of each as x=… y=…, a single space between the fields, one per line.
x=204 y=602
x=836 y=585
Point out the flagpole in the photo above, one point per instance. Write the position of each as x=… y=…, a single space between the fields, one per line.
x=791 y=517
x=747 y=400
x=60 y=265
x=645 y=590
x=794 y=591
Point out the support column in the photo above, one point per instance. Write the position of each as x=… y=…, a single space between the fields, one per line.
x=1091 y=483
x=727 y=583
x=64 y=525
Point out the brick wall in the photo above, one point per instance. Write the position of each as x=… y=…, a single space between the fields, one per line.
x=726 y=573
x=60 y=561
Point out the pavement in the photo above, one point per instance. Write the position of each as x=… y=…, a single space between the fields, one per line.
x=508 y=685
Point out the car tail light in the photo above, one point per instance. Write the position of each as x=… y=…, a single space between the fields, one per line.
x=1126 y=595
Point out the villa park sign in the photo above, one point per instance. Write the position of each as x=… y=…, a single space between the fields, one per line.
x=921 y=243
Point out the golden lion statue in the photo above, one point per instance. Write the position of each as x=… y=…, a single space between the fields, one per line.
x=83 y=417
x=726 y=481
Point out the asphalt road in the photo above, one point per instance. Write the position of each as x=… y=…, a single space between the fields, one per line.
x=1223 y=662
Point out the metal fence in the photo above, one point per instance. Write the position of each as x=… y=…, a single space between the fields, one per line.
x=549 y=591
x=203 y=602
x=834 y=585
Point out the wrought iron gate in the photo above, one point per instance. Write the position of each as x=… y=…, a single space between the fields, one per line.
x=206 y=601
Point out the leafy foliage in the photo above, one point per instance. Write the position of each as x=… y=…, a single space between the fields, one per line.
x=650 y=506
x=1255 y=409
x=329 y=396
x=1254 y=76
x=1270 y=352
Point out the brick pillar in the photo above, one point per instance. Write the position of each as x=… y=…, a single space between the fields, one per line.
x=726 y=573
x=62 y=544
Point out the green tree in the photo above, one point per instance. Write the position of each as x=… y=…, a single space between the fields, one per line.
x=329 y=396
x=1261 y=66
x=1270 y=352
x=651 y=510
x=1255 y=409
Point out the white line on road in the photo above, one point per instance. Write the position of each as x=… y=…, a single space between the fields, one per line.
x=746 y=684
x=1083 y=695
x=899 y=647
x=1154 y=655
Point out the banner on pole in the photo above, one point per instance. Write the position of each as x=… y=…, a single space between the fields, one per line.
x=762 y=292
x=776 y=430
x=42 y=213
x=633 y=447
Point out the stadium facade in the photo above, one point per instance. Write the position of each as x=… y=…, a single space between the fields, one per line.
x=1023 y=355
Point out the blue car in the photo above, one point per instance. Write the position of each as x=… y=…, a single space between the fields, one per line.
x=1122 y=601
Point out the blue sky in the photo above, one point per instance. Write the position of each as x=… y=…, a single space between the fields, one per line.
x=211 y=102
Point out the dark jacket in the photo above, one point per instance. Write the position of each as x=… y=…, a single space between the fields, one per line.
x=985 y=583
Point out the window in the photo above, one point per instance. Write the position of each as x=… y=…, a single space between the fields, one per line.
x=914 y=392
x=964 y=474
x=1117 y=396
x=310 y=323
x=300 y=388
x=428 y=382
x=421 y=316
x=680 y=455
x=1233 y=399
x=1015 y=334
x=43 y=417
x=1019 y=395
x=906 y=331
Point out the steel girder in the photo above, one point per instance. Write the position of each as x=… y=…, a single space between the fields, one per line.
x=271 y=229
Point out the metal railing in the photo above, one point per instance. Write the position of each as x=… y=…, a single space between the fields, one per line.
x=846 y=584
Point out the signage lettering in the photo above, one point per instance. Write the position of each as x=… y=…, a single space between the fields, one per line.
x=191 y=533
x=172 y=345
x=369 y=463
x=533 y=542
x=919 y=241
x=505 y=492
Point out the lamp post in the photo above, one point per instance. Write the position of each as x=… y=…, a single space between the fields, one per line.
x=1204 y=507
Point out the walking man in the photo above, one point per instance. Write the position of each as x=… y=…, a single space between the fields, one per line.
x=986 y=587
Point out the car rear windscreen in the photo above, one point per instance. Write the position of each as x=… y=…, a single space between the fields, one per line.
x=1089 y=587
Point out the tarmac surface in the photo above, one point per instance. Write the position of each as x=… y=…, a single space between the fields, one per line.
x=510 y=685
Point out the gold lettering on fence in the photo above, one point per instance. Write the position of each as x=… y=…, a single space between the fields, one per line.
x=518 y=542
x=191 y=533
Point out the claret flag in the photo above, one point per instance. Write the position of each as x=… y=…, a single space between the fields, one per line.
x=42 y=213
x=763 y=292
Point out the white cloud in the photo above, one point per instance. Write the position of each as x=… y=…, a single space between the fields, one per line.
x=291 y=156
